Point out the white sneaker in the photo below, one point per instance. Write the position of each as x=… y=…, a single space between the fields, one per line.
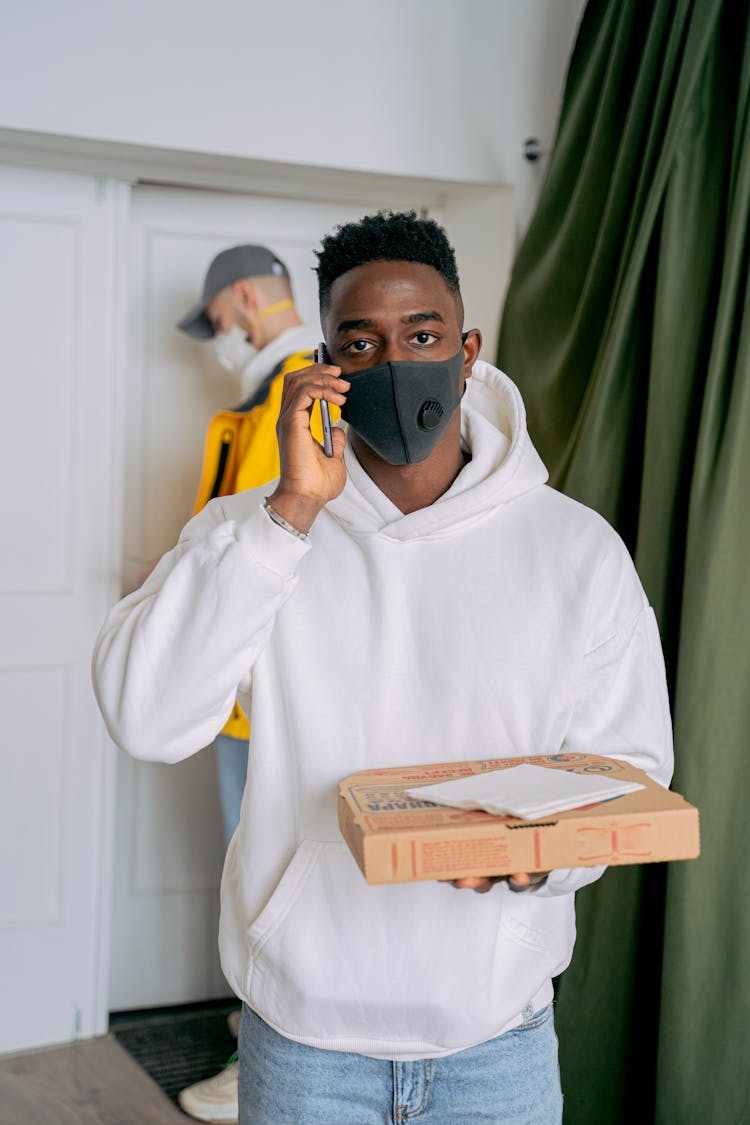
x=233 y=1022
x=215 y=1099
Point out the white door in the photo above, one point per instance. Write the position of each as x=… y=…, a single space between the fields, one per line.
x=57 y=272
x=169 y=841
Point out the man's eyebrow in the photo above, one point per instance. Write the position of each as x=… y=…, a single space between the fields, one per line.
x=353 y=325
x=410 y=318
x=418 y=317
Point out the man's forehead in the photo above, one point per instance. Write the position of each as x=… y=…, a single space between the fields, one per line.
x=405 y=289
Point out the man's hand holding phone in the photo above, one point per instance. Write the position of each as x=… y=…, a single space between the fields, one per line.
x=308 y=478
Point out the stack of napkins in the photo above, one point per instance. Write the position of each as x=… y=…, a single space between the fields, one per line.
x=528 y=792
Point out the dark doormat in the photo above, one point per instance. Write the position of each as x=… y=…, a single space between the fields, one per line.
x=180 y=1045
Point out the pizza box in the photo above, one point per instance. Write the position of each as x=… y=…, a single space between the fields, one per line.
x=396 y=838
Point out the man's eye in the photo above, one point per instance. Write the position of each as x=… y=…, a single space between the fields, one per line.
x=424 y=337
x=357 y=346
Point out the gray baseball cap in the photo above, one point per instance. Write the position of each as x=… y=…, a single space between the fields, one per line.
x=227 y=267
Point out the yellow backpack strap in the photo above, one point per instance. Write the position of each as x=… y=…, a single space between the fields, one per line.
x=218 y=458
x=261 y=392
x=296 y=361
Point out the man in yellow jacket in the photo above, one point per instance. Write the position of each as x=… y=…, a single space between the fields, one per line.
x=247 y=310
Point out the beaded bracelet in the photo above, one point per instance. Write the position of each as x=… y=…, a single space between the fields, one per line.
x=277 y=519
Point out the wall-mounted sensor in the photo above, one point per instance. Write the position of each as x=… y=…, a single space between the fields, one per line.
x=533 y=149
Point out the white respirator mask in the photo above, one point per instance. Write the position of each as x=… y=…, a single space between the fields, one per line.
x=232 y=349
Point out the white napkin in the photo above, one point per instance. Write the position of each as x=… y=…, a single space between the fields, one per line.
x=528 y=792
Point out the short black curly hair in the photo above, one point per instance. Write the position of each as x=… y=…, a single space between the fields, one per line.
x=388 y=236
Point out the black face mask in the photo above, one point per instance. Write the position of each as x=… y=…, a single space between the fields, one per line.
x=401 y=409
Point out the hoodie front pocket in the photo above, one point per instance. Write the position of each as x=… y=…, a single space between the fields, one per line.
x=284 y=896
x=542 y=925
x=419 y=967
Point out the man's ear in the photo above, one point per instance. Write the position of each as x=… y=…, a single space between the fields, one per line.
x=472 y=341
x=246 y=294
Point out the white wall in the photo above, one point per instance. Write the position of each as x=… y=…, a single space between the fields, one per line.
x=438 y=88
x=517 y=52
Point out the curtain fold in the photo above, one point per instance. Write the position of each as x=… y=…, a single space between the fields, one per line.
x=627 y=328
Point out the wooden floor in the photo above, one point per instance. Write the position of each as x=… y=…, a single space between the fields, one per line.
x=95 y=1082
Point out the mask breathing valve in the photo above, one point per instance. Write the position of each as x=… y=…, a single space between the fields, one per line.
x=430 y=413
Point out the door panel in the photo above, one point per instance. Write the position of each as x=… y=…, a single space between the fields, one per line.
x=56 y=317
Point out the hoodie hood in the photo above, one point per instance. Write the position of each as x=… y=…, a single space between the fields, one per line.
x=504 y=465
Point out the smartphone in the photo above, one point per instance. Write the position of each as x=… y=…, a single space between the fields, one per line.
x=322 y=356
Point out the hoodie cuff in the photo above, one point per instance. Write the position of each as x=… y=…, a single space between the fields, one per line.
x=270 y=545
x=567 y=880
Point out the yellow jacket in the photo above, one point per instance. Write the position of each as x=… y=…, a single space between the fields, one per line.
x=241 y=452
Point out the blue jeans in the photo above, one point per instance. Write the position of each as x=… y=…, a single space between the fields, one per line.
x=231 y=766
x=511 y=1080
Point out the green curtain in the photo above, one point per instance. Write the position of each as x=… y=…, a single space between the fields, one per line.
x=627 y=327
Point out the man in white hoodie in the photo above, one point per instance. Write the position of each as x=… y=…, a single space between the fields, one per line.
x=420 y=595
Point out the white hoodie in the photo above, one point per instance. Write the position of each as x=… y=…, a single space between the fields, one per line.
x=504 y=620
